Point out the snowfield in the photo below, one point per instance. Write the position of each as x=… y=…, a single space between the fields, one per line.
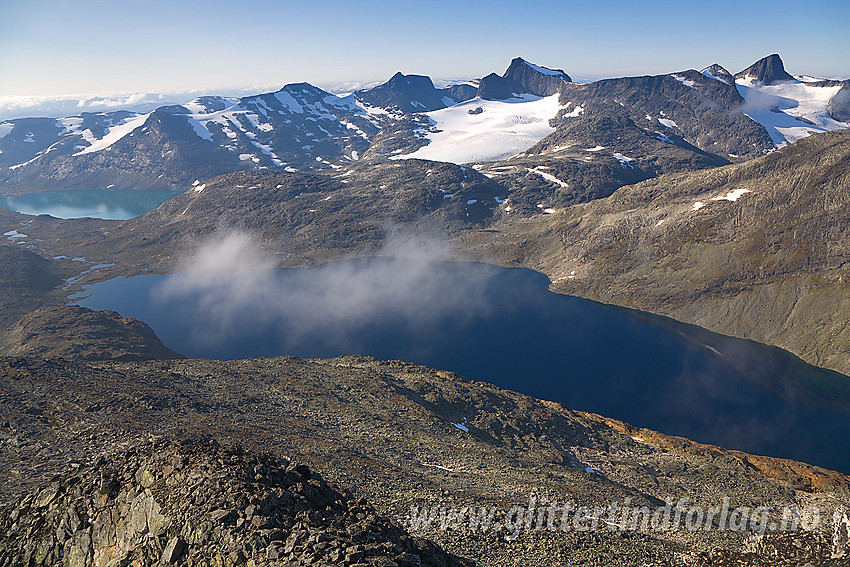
x=548 y=176
x=545 y=70
x=502 y=129
x=710 y=76
x=114 y=134
x=790 y=110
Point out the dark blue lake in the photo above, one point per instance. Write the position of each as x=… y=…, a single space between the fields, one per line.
x=497 y=325
x=115 y=204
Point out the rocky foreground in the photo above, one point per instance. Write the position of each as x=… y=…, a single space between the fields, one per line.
x=200 y=505
x=395 y=434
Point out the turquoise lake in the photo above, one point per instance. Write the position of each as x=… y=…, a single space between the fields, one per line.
x=115 y=204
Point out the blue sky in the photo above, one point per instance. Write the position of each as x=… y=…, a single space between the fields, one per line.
x=59 y=47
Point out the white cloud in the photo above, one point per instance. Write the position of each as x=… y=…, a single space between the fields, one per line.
x=59 y=106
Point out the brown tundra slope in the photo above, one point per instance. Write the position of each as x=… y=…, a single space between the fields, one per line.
x=757 y=250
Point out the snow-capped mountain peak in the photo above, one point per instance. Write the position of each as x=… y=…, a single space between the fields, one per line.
x=303 y=127
x=518 y=61
x=522 y=77
x=791 y=108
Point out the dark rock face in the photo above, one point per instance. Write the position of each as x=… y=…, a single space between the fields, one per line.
x=461 y=92
x=494 y=87
x=198 y=505
x=28 y=138
x=767 y=71
x=522 y=77
x=534 y=79
x=71 y=331
x=706 y=112
x=410 y=93
x=212 y=103
x=839 y=105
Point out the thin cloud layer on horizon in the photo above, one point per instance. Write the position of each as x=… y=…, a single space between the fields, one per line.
x=208 y=45
x=59 y=106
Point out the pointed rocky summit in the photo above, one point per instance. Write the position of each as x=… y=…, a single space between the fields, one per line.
x=767 y=71
x=717 y=71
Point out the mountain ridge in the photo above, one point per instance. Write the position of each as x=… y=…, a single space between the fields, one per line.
x=305 y=128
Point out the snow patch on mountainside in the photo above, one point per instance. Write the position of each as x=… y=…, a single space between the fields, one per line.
x=789 y=110
x=113 y=134
x=548 y=176
x=685 y=81
x=289 y=102
x=808 y=79
x=574 y=113
x=199 y=129
x=5 y=128
x=716 y=78
x=545 y=70
x=502 y=129
x=732 y=196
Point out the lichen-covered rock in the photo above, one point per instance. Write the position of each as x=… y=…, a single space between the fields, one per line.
x=788 y=549
x=200 y=505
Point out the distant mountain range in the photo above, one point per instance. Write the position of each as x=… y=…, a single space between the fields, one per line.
x=712 y=114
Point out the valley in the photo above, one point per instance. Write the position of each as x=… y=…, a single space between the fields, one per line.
x=693 y=227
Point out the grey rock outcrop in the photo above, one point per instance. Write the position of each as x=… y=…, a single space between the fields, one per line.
x=161 y=503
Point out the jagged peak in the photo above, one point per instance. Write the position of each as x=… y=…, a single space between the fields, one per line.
x=719 y=72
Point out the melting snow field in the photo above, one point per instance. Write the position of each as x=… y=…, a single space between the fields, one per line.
x=548 y=176
x=113 y=134
x=13 y=234
x=731 y=195
x=502 y=129
x=780 y=108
